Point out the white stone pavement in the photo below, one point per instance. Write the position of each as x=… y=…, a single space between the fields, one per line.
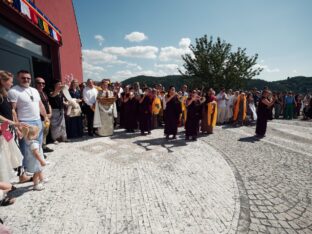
x=130 y=184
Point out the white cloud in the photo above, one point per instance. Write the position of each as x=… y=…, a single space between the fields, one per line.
x=147 y=52
x=124 y=74
x=136 y=37
x=99 y=57
x=92 y=72
x=169 y=69
x=171 y=53
x=266 y=68
x=185 y=42
x=118 y=62
x=134 y=66
x=160 y=70
x=100 y=39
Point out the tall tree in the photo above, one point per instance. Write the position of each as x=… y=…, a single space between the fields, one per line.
x=214 y=64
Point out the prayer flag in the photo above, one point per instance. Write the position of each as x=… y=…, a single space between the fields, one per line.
x=17 y=4
x=46 y=27
x=25 y=9
x=51 y=32
x=33 y=16
x=40 y=23
x=55 y=35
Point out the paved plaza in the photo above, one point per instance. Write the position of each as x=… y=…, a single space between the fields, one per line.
x=228 y=182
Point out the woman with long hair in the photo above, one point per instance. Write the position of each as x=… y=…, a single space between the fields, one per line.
x=10 y=156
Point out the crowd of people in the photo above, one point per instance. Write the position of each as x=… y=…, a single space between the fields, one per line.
x=32 y=117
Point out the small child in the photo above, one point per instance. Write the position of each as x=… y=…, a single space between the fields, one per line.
x=34 y=160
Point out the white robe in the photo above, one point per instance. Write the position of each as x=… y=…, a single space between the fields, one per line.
x=104 y=117
x=229 y=108
x=253 y=110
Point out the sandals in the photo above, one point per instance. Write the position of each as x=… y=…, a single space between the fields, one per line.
x=7 y=201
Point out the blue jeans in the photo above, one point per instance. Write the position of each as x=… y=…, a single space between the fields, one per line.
x=22 y=143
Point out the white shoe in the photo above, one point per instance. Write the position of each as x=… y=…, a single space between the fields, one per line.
x=39 y=187
x=45 y=180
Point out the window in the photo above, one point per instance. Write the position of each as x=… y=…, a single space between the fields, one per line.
x=21 y=41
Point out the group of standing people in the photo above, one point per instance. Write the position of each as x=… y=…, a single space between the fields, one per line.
x=22 y=117
x=31 y=117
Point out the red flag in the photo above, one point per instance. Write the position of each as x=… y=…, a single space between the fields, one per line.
x=33 y=16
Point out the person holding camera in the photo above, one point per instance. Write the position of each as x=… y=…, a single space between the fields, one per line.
x=263 y=112
x=57 y=102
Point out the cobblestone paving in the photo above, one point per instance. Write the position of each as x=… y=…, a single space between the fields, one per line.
x=274 y=175
x=130 y=184
x=229 y=182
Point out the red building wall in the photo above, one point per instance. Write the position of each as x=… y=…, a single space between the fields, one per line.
x=62 y=14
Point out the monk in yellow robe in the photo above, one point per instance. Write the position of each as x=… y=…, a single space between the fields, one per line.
x=156 y=107
x=209 y=113
x=240 y=109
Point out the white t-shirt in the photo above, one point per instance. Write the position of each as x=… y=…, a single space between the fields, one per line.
x=27 y=102
x=89 y=95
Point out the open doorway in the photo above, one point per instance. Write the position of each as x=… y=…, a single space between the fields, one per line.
x=43 y=69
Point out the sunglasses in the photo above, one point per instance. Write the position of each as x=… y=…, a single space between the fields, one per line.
x=41 y=83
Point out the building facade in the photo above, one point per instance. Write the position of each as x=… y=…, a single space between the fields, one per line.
x=42 y=37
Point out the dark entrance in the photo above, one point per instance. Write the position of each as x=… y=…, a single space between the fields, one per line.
x=20 y=51
x=43 y=69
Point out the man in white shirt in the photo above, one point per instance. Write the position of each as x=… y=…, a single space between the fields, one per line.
x=118 y=89
x=89 y=96
x=184 y=91
x=221 y=99
x=27 y=107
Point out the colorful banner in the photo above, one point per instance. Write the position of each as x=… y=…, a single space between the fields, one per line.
x=29 y=9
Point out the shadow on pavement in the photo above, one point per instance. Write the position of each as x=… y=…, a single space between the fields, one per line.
x=125 y=135
x=20 y=191
x=251 y=139
x=167 y=144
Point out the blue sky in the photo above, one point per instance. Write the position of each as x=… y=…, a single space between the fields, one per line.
x=125 y=38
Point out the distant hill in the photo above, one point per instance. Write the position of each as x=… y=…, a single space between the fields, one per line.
x=151 y=81
x=298 y=84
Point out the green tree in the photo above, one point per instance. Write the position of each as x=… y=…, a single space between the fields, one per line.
x=214 y=64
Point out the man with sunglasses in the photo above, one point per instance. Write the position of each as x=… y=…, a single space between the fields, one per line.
x=27 y=107
x=40 y=85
